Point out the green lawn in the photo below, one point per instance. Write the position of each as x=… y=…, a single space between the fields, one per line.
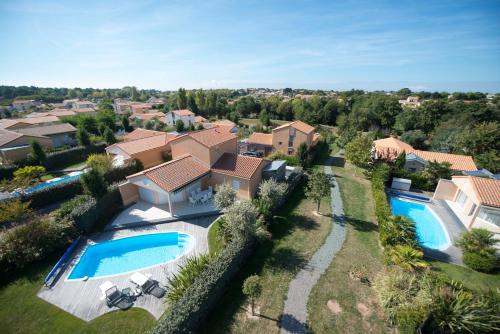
x=297 y=234
x=215 y=244
x=360 y=249
x=22 y=311
x=471 y=279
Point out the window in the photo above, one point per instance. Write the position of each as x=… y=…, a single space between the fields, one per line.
x=472 y=209
x=490 y=215
x=461 y=198
x=290 y=141
x=236 y=185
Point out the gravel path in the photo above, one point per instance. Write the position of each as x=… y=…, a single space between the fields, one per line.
x=295 y=311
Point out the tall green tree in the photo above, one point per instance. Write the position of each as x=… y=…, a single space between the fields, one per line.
x=252 y=289
x=358 y=151
x=109 y=136
x=82 y=136
x=94 y=183
x=318 y=186
x=191 y=103
x=37 y=153
x=179 y=126
x=303 y=154
x=181 y=99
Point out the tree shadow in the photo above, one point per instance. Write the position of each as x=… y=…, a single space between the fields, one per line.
x=292 y=325
x=305 y=222
x=361 y=225
x=285 y=259
x=337 y=161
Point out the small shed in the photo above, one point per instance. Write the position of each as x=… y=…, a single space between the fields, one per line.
x=401 y=184
x=276 y=170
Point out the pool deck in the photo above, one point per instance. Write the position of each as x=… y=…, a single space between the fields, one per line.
x=84 y=300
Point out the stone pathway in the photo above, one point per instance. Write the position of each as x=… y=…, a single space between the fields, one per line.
x=295 y=311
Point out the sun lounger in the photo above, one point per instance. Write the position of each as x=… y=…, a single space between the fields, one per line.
x=147 y=285
x=115 y=297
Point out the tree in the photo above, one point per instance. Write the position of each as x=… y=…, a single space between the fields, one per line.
x=241 y=219
x=134 y=94
x=285 y=111
x=179 y=125
x=191 y=127
x=82 y=136
x=106 y=117
x=27 y=175
x=252 y=289
x=478 y=246
x=181 y=99
x=415 y=138
x=100 y=162
x=318 y=186
x=434 y=171
x=225 y=196
x=303 y=154
x=358 y=151
x=191 y=103
x=264 y=118
x=126 y=123
x=88 y=123
x=94 y=183
x=37 y=153
x=406 y=257
x=271 y=193
x=109 y=136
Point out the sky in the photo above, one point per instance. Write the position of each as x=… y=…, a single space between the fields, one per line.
x=373 y=45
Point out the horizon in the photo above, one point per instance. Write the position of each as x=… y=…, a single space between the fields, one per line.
x=448 y=46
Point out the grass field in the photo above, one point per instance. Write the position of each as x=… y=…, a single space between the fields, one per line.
x=297 y=234
x=23 y=312
x=361 y=250
x=471 y=279
x=215 y=244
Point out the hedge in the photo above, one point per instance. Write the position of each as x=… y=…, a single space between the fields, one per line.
x=380 y=175
x=71 y=156
x=198 y=301
x=92 y=214
x=57 y=193
x=7 y=171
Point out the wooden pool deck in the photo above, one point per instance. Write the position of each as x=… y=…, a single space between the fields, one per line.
x=84 y=300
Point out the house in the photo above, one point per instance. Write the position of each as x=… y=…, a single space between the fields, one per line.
x=149 y=147
x=22 y=105
x=201 y=120
x=149 y=116
x=18 y=123
x=285 y=138
x=201 y=160
x=54 y=112
x=390 y=148
x=186 y=116
x=69 y=103
x=141 y=108
x=474 y=200
x=226 y=125
x=83 y=105
x=122 y=107
x=59 y=134
x=15 y=146
x=410 y=102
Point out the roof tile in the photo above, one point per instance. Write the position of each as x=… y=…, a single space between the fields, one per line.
x=237 y=165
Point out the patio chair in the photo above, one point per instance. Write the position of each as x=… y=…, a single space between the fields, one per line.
x=115 y=297
x=147 y=285
x=192 y=201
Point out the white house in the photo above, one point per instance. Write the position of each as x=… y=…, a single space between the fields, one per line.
x=186 y=116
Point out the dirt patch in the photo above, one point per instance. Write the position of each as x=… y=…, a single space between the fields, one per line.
x=364 y=310
x=249 y=314
x=334 y=306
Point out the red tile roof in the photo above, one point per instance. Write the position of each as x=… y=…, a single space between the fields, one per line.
x=299 y=125
x=200 y=119
x=183 y=112
x=149 y=116
x=144 y=144
x=488 y=190
x=237 y=165
x=225 y=122
x=210 y=137
x=261 y=138
x=141 y=133
x=458 y=162
x=47 y=130
x=174 y=174
x=394 y=144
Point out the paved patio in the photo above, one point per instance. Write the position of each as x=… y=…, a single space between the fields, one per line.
x=142 y=211
x=83 y=298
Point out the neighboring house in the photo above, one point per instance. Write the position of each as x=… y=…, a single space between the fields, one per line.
x=54 y=112
x=22 y=105
x=157 y=100
x=149 y=147
x=186 y=116
x=122 y=107
x=18 y=123
x=69 y=103
x=201 y=159
x=391 y=148
x=410 y=102
x=226 y=125
x=83 y=105
x=149 y=116
x=59 y=134
x=260 y=142
x=201 y=120
x=285 y=138
x=474 y=200
x=141 y=108
x=16 y=146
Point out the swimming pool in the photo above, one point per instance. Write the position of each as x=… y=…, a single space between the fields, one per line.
x=130 y=254
x=430 y=231
x=52 y=182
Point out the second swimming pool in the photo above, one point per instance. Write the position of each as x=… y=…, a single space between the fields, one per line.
x=430 y=231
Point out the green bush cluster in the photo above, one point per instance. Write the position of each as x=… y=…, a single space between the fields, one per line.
x=478 y=246
x=198 y=301
x=71 y=156
x=33 y=241
x=7 y=171
x=291 y=160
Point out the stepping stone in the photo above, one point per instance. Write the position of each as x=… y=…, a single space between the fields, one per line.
x=334 y=306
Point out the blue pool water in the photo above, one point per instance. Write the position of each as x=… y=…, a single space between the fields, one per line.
x=132 y=253
x=430 y=232
x=50 y=183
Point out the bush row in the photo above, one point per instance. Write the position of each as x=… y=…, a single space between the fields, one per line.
x=71 y=156
x=380 y=175
x=190 y=312
x=7 y=171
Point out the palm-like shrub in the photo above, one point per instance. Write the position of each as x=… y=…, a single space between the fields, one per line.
x=14 y=211
x=478 y=246
x=406 y=257
x=456 y=310
x=188 y=271
x=399 y=230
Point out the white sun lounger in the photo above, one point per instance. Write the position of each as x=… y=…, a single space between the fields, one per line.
x=105 y=287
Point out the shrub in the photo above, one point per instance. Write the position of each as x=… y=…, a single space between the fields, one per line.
x=109 y=136
x=478 y=246
x=252 y=289
x=30 y=242
x=406 y=257
x=14 y=211
x=241 y=218
x=71 y=156
x=167 y=156
x=409 y=319
x=291 y=160
x=100 y=162
x=179 y=125
x=93 y=183
x=188 y=271
x=37 y=154
x=7 y=171
x=82 y=136
x=29 y=173
x=271 y=194
x=224 y=196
